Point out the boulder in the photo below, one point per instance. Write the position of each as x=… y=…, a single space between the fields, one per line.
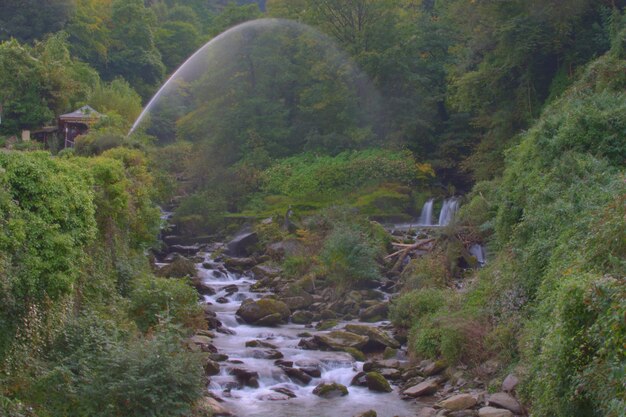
x=340 y=340
x=369 y=413
x=285 y=391
x=260 y=343
x=298 y=376
x=266 y=271
x=181 y=267
x=494 y=412
x=239 y=263
x=427 y=412
x=298 y=302
x=377 y=338
x=302 y=317
x=375 y=313
x=241 y=245
x=356 y=354
x=245 y=377
x=458 y=402
x=211 y=367
x=210 y=406
x=202 y=287
x=376 y=382
x=267 y=354
x=424 y=388
x=504 y=400
x=264 y=312
x=510 y=383
x=328 y=390
x=430 y=368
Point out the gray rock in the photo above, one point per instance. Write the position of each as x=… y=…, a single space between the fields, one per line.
x=458 y=402
x=504 y=400
x=424 y=388
x=340 y=340
x=333 y=390
x=494 y=412
x=378 y=338
x=242 y=244
x=510 y=383
x=264 y=312
x=375 y=313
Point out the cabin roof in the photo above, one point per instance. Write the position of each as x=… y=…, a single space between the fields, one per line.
x=82 y=114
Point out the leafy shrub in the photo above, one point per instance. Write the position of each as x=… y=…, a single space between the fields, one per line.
x=200 y=213
x=412 y=306
x=153 y=299
x=296 y=266
x=323 y=177
x=349 y=257
x=101 y=372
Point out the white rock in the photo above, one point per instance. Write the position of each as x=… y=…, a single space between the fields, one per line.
x=494 y=412
x=458 y=402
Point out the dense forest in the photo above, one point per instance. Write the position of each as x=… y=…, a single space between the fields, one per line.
x=317 y=127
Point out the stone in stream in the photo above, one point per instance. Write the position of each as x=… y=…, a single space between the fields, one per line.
x=298 y=302
x=222 y=300
x=267 y=354
x=285 y=391
x=359 y=379
x=378 y=339
x=330 y=390
x=458 y=402
x=297 y=375
x=245 y=377
x=266 y=271
x=340 y=340
x=356 y=354
x=239 y=263
x=377 y=382
x=230 y=289
x=504 y=400
x=260 y=343
x=430 y=368
x=202 y=344
x=427 y=412
x=210 y=406
x=264 y=312
x=302 y=317
x=494 y=412
x=241 y=244
x=202 y=287
x=283 y=363
x=211 y=367
x=180 y=268
x=422 y=389
x=370 y=413
x=375 y=313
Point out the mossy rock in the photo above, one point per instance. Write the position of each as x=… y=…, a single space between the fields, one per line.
x=340 y=340
x=264 y=312
x=378 y=338
x=302 y=317
x=390 y=353
x=326 y=324
x=356 y=354
x=180 y=268
x=333 y=390
x=377 y=382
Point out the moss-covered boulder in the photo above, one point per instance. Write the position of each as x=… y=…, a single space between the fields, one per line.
x=340 y=340
x=378 y=338
x=302 y=317
x=377 y=382
x=181 y=267
x=264 y=312
x=375 y=313
x=356 y=354
x=333 y=390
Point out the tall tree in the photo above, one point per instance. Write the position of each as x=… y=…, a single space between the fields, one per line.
x=133 y=53
x=29 y=20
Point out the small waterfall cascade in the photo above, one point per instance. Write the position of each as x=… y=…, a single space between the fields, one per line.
x=426 y=217
x=448 y=210
x=478 y=252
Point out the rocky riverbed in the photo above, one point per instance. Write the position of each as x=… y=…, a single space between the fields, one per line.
x=280 y=348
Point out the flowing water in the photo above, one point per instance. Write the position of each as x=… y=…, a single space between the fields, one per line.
x=448 y=210
x=426 y=217
x=263 y=401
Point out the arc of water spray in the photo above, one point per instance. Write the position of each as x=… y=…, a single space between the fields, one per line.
x=181 y=68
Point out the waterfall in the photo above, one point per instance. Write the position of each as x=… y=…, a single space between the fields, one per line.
x=448 y=210
x=426 y=217
x=478 y=252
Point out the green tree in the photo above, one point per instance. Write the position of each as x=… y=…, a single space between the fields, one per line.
x=176 y=41
x=133 y=54
x=30 y=20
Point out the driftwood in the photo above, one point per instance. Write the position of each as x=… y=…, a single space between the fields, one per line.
x=406 y=249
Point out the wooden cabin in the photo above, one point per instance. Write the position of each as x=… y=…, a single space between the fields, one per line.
x=77 y=123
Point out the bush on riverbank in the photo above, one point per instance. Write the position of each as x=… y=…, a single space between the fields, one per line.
x=73 y=243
